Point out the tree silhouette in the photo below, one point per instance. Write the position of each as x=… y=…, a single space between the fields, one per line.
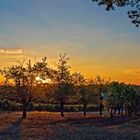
x=80 y=83
x=24 y=79
x=63 y=82
x=123 y=97
x=101 y=83
x=133 y=13
x=116 y=102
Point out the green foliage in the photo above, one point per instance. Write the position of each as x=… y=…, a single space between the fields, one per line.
x=123 y=97
x=56 y=107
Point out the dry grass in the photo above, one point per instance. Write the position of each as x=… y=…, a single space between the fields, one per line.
x=74 y=126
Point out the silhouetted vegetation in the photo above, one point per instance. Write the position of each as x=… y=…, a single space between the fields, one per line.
x=24 y=80
x=39 y=87
x=134 y=5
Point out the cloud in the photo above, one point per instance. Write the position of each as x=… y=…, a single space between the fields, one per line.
x=11 y=51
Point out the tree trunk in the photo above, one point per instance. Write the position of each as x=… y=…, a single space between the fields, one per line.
x=62 y=108
x=84 y=109
x=101 y=108
x=111 y=113
x=24 y=111
x=119 y=111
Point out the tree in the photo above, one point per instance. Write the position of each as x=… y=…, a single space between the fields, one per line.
x=131 y=99
x=63 y=82
x=116 y=100
x=80 y=83
x=133 y=13
x=101 y=83
x=123 y=97
x=24 y=79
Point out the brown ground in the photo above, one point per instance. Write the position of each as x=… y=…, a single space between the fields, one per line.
x=74 y=126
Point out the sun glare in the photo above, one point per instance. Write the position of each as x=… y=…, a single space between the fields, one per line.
x=48 y=80
x=37 y=78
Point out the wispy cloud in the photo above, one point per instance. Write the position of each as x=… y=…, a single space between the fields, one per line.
x=11 y=51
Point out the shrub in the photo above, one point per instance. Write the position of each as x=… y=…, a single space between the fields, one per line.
x=15 y=106
x=6 y=104
x=67 y=108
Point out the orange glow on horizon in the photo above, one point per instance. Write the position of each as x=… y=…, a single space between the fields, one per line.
x=122 y=79
x=89 y=67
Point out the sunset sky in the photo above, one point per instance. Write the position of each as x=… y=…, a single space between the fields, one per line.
x=97 y=41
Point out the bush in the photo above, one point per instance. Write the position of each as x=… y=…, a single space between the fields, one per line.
x=92 y=107
x=56 y=107
x=7 y=105
x=30 y=106
x=38 y=107
x=16 y=106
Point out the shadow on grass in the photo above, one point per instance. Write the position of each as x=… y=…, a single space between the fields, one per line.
x=90 y=121
x=13 y=132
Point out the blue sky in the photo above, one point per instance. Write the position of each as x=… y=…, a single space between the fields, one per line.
x=98 y=42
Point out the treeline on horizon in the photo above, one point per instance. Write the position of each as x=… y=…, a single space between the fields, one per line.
x=40 y=87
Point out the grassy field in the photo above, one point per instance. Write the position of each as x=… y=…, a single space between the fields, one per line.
x=74 y=126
